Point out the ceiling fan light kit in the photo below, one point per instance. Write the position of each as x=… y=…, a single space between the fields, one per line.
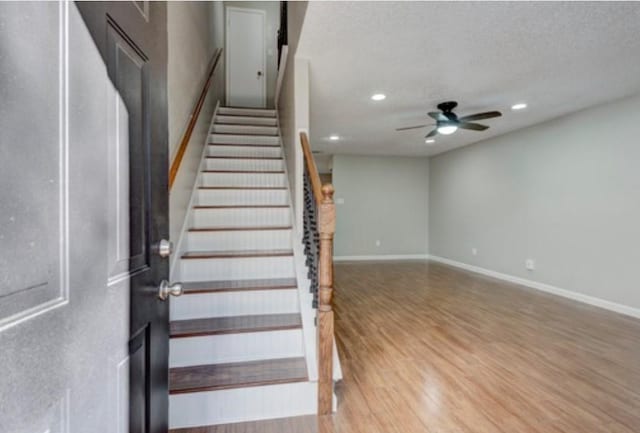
x=447 y=122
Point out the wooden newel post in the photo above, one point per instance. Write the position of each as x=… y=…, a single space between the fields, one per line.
x=326 y=229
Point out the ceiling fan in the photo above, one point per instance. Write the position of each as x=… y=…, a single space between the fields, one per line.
x=447 y=122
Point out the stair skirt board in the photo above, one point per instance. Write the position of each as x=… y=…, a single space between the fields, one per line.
x=239 y=303
x=245 y=164
x=243 y=179
x=254 y=140
x=246 y=197
x=239 y=239
x=241 y=111
x=239 y=150
x=225 y=348
x=245 y=120
x=240 y=217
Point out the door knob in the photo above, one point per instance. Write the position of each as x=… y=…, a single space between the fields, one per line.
x=167 y=289
x=163 y=248
x=259 y=73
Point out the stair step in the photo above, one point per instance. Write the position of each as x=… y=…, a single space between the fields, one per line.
x=245 y=187
x=249 y=206
x=245 y=120
x=222 y=303
x=236 y=254
x=250 y=158
x=241 y=144
x=229 y=229
x=245 y=151
x=246 y=239
x=266 y=130
x=243 y=179
x=236 y=375
x=245 y=165
x=250 y=112
x=238 y=285
x=244 y=171
x=234 y=325
x=221 y=197
x=237 y=138
x=240 y=217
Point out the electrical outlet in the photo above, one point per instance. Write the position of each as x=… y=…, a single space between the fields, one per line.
x=340 y=200
x=377 y=243
x=530 y=264
x=474 y=251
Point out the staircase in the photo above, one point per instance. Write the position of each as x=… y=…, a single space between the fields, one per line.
x=237 y=349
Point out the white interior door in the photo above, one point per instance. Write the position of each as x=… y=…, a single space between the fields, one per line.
x=245 y=55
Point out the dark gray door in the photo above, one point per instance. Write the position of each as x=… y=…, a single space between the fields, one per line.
x=83 y=200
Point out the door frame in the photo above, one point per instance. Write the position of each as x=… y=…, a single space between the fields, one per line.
x=263 y=15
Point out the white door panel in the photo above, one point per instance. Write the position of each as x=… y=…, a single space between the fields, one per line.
x=245 y=55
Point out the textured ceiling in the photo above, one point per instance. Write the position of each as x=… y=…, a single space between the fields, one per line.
x=557 y=57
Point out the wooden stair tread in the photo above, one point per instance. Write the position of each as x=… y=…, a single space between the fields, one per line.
x=272 y=158
x=243 y=206
x=236 y=254
x=244 y=124
x=244 y=144
x=247 y=133
x=234 y=325
x=195 y=287
x=245 y=171
x=238 y=229
x=244 y=187
x=236 y=375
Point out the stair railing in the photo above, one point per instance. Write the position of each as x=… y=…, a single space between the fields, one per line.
x=319 y=228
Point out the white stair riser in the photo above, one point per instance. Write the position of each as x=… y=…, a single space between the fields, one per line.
x=229 y=197
x=245 y=129
x=244 y=139
x=201 y=218
x=243 y=179
x=236 y=268
x=239 y=240
x=242 y=404
x=253 y=112
x=239 y=303
x=245 y=164
x=252 y=151
x=239 y=347
x=247 y=120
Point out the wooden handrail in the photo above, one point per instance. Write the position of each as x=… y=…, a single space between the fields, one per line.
x=326 y=213
x=175 y=165
x=314 y=177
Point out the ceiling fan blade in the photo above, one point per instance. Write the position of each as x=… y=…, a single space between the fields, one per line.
x=472 y=126
x=437 y=115
x=411 y=127
x=481 y=116
x=432 y=133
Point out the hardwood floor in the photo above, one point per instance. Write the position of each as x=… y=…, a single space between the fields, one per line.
x=429 y=348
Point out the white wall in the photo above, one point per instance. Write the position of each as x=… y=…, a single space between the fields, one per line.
x=565 y=193
x=293 y=107
x=385 y=199
x=272 y=10
x=191 y=45
x=195 y=30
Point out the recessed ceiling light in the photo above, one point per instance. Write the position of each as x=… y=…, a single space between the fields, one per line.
x=429 y=140
x=519 y=106
x=378 y=96
x=334 y=137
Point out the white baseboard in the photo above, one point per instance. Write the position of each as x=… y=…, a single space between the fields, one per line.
x=381 y=257
x=597 y=302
